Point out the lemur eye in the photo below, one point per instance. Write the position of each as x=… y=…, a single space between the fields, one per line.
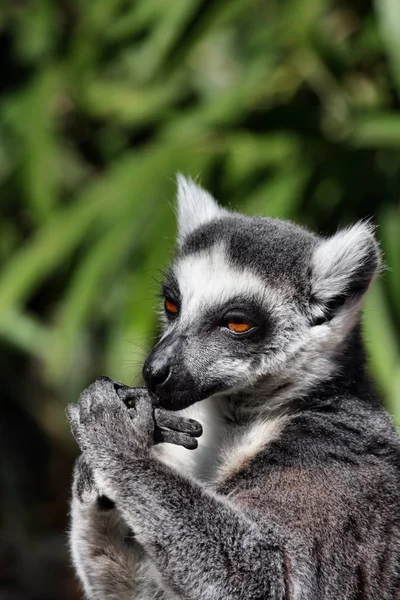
x=239 y=326
x=238 y=322
x=171 y=307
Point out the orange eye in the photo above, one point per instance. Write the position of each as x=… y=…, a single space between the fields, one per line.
x=171 y=307
x=239 y=327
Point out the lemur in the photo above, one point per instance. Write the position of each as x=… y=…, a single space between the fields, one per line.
x=293 y=490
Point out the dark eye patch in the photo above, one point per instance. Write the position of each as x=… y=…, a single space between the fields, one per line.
x=170 y=288
x=239 y=309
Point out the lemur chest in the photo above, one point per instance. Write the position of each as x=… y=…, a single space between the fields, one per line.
x=224 y=448
x=201 y=463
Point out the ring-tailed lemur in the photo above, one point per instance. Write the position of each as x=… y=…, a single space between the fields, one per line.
x=294 y=489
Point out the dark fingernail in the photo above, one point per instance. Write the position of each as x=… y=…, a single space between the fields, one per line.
x=158 y=437
x=197 y=430
x=191 y=444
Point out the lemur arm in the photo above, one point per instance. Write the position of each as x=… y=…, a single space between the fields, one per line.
x=111 y=565
x=105 y=555
x=201 y=545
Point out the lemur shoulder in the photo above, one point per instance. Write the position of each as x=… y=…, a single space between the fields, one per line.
x=293 y=492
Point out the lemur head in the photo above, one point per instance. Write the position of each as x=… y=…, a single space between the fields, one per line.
x=254 y=303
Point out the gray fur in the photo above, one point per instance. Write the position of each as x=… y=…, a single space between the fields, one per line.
x=294 y=490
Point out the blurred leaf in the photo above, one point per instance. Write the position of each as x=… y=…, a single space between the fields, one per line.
x=37 y=31
x=388 y=12
x=301 y=17
x=89 y=283
x=382 y=130
x=383 y=347
x=248 y=153
x=220 y=110
x=278 y=197
x=127 y=105
x=389 y=232
x=33 y=116
x=40 y=256
x=25 y=333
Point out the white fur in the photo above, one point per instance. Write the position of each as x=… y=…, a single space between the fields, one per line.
x=97 y=547
x=208 y=278
x=223 y=448
x=235 y=456
x=195 y=207
x=337 y=259
x=79 y=524
x=310 y=359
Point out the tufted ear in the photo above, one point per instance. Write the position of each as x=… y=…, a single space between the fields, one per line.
x=195 y=207
x=343 y=266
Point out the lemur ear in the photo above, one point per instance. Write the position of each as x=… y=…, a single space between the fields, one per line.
x=343 y=266
x=195 y=207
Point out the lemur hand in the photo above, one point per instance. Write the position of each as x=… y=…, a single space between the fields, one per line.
x=104 y=427
x=101 y=418
x=169 y=427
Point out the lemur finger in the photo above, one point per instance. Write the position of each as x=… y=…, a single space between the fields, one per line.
x=174 y=437
x=144 y=410
x=169 y=420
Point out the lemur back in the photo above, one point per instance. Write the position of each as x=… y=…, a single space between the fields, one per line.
x=294 y=490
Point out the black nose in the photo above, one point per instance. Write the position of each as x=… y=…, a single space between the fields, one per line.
x=156 y=375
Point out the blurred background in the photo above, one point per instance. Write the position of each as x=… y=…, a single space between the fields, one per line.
x=282 y=108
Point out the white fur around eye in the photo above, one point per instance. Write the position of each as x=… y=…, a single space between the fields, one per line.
x=208 y=279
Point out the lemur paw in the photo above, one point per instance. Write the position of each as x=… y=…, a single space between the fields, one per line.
x=111 y=416
x=169 y=427
x=104 y=427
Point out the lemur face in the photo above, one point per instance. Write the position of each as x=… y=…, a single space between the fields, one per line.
x=253 y=300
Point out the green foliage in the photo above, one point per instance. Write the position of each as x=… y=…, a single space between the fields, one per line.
x=287 y=109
